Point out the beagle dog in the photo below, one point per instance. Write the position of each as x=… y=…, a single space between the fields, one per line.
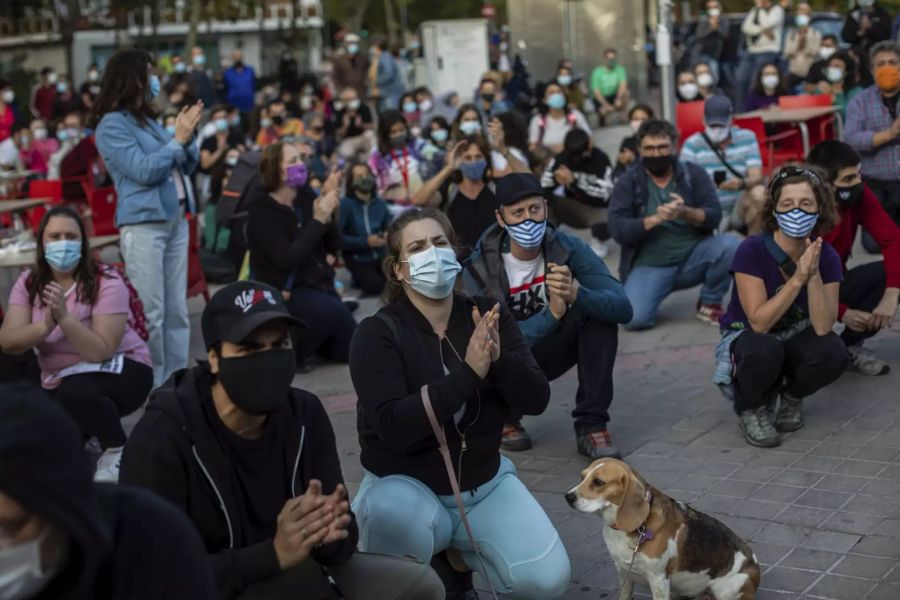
x=675 y=549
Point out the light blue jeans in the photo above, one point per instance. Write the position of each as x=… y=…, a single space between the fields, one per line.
x=401 y=516
x=156 y=261
x=709 y=263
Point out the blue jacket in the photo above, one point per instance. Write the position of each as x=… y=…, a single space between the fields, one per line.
x=389 y=78
x=600 y=296
x=629 y=201
x=358 y=221
x=241 y=86
x=140 y=161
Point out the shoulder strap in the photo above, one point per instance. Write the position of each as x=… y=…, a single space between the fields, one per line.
x=451 y=473
x=392 y=325
x=721 y=155
x=784 y=261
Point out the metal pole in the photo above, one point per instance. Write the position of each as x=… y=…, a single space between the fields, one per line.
x=664 y=59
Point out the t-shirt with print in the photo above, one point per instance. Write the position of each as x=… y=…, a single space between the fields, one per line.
x=56 y=352
x=670 y=243
x=742 y=153
x=527 y=290
x=752 y=258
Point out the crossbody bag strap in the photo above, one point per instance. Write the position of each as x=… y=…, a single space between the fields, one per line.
x=451 y=473
x=721 y=155
x=784 y=261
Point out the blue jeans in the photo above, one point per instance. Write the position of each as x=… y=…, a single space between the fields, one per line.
x=401 y=516
x=156 y=261
x=746 y=74
x=709 y=263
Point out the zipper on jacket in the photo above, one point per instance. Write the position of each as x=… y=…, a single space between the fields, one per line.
x=297 y=460
x=368 y=225
x=462 y=434
x=218 y=495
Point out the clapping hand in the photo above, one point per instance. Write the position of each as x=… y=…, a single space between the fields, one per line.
x=498 y=136
x=186 y=122
x=808 y=265
x=563 y=175
x=492 y=320
x=338 y=507
x=480 y=352
x=560 y=282
x=54 y=298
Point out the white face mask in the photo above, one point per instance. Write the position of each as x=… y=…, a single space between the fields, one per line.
x=770 y=82
x=21 y=573
x=40 y=134
x=705 y=80
x=801 y=20
x=834 y=74
x=717 y=133
x=825 y=52
x=9 y=96
x=636 y=124
x=714 y=12
x=52 y=78
x=688 y=91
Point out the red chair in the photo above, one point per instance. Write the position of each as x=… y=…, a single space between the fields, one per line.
x=772 y=156
x=101 y=214
x=820 y=128
x=689 y=118
x=196 y=278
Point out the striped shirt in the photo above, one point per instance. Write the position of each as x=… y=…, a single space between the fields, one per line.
x=742 y=154
x=866 y=116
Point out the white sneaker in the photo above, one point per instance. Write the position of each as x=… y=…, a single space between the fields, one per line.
x=863 y=361
x=108 y=466
x=599 y=248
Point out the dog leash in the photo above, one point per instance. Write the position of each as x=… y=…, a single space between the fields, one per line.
x=644 y=535
x=451 y=473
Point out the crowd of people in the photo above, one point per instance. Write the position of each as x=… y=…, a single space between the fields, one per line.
x=452 y=212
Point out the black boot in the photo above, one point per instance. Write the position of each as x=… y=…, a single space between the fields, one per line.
x=458 y=585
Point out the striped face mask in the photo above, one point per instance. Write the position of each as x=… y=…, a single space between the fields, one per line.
x=797 y=223
x=529 y=233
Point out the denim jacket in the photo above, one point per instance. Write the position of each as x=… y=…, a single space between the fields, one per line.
x=140 y=161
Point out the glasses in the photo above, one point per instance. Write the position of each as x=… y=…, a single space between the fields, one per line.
x=661 y=149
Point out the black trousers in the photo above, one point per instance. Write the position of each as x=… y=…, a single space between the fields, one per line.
x=327 y=325
x=367 y=274
x=806 y=363
x=97 y=401
x=590 y=344
x=862 y=289
x=888 y=193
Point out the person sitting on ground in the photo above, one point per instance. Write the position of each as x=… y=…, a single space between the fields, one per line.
x=438 y=133
x=575 y=97
x=468 y=122
x=638 y=115
x=664 y=213
x=548 y=128
x=489 y=100
x=801 y=46
x=732 y=160
x=476 y=367
x=364 y=220
x=252 y=462
x=869 y=293
x=77 y=315
x=567 y=304
x=627 y=156
x=706 y=80
x=410 y=109
x=514 y=131
x=65 y=537
x=687 y=89
x=777 y=339
x=214 y=147
x=609 y=86
x=352 y=123
x=280 y=125
x=401 y=162
x=767 y=88
x=842 y=81
x=579 y=181
x=290 y=233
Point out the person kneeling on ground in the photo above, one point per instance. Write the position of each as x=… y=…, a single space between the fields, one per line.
x=566 y=303
x=364 y=219
x=664 y=213
x=477 y=370
x=870 y=292
x=63 y=537
x=253 y=463
x=76 y=313
x=777 y=341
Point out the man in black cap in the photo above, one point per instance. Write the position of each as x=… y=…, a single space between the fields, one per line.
x=64 y=537
x=565 y=300
x=253 y=463
x=730 y=155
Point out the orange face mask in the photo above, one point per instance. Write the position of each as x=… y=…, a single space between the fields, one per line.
x=887 y=78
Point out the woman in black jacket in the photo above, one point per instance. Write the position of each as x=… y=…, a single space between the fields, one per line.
x=478 y=370
x=293 y=236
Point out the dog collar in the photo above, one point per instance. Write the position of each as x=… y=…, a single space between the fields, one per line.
x=644 y=533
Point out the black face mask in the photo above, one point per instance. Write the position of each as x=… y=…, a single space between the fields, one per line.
x=657 y=165
x=278 y=120
x=398 y=141
x=849 y=196
x=365 y=184
x=487 y=97
x=258 y=384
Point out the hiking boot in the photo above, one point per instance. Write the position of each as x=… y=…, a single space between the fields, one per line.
x=458 y=585
x=864 y=362
x=790 y=413
x=108 y=466
x=597 y=444
x=515 y=438
x=757 y=427
x=710 y=313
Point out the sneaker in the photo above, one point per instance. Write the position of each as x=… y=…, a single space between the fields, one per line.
x=515 y=438
x=597 y=444
x=864 y=362
x=757 y=427
x=789 y=416
x=710 y=313
x=599 y=248
x=108 y=466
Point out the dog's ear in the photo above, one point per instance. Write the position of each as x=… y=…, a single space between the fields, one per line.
x=634 y=509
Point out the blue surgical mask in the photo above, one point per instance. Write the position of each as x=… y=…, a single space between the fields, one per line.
x=63 y=255
x=170 y=129
x=352 y=48
x=796 y=223
x=154 y=86
x=433 y=272
x=200 y=60
x=62 y=87
x=439 y=135
x=564 y=80
x=529 y=233
x=410 y=107
x=556 y=100
x=62 y=135
x=180 y=67
x=470 y=127
x=235 y=120
x=473 y=171
x=221 y=125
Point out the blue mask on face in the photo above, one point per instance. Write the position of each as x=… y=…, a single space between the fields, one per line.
x=63 y=255
x=529 y=233
x=170 y=129
x=556 y=100
x=796 y=223
x=62 y=135
x=439 y=135
x=433 y=272
x=221 y=125
x=155 y=87
x=410 y=107
x=473 y=171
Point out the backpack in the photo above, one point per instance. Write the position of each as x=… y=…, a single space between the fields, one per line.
x=136 y=318
x=542 y=124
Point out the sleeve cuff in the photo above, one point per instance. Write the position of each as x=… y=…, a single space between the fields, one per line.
x=842 y=308
x=258 y=562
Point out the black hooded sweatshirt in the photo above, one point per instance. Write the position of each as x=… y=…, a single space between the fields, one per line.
x=174 y=451
x=123 y=542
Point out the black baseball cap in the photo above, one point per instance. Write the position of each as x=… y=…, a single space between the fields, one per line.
x=515 y=187
x=236 y=310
